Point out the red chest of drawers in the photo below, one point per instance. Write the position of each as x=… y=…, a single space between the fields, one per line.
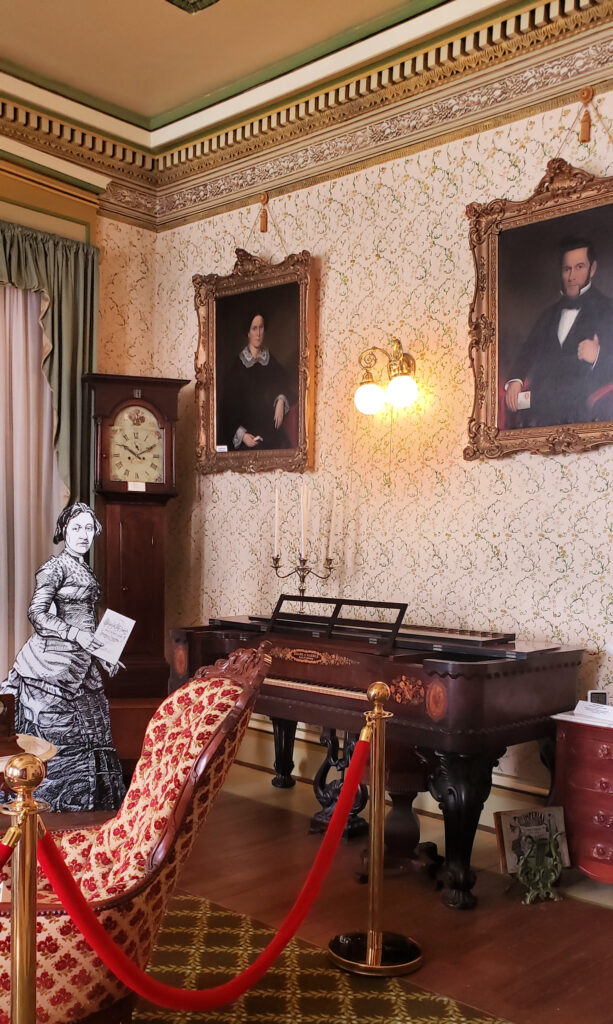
x=584 y=787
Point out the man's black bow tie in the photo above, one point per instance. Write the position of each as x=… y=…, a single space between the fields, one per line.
x=568 y=303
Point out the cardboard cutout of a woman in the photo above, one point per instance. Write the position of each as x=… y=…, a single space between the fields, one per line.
x=56 y=681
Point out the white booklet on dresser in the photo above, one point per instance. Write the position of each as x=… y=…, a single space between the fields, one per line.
x=113 y=632
x=589 y=714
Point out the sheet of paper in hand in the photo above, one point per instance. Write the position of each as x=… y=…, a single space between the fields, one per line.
x=113 y=632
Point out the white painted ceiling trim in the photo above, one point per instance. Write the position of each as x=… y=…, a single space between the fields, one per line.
x=42 y=99
x=48 y=162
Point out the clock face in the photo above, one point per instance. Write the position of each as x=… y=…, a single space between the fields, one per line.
x=136 y=447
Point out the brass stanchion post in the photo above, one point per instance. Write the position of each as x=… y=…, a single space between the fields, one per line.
x=376 y=951
x=24 y=773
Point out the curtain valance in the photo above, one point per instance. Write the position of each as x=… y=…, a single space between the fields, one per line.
x=66 y=272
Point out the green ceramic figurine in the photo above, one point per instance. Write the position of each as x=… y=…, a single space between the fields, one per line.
x=540 y=867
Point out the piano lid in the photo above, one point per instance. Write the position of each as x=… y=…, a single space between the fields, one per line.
x=381 y=628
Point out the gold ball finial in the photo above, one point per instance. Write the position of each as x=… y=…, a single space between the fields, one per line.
x=24 y=771
x=378 y=693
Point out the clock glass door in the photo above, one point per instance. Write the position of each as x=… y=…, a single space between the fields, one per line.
x=136 y=447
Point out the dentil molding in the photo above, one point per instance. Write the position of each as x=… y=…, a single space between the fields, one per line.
x=537 y=57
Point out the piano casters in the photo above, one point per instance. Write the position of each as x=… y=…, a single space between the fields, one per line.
x=376 y=951
x=302 y=571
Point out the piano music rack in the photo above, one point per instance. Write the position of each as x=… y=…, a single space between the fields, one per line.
x=332 y=626
x=384 y=635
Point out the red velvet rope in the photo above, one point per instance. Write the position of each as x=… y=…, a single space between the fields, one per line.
x=5 y=854
x=134 y=978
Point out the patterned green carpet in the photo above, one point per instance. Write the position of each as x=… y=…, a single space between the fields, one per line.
x=202 y=945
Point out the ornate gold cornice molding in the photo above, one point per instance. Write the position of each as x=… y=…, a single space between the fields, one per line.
x=59 y=138
x=438 y=119
x=446 y=64
x=457 y=83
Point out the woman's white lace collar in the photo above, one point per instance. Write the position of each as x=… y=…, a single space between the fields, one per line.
x=248 y=359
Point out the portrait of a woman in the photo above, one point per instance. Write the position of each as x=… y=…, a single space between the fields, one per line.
x=56 y=680
x=256 y=394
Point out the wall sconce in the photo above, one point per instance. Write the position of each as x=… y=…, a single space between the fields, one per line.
x=401 y=390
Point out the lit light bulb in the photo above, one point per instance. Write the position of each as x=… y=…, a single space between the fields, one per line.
x=401 y=391
x=369 y=398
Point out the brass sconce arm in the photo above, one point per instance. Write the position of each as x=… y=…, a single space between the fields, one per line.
x=400 y=370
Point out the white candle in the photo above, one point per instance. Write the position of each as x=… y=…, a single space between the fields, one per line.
x=304 y=515
x=332 y=525
x=276 y=550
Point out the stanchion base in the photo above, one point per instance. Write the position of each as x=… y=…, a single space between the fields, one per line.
x=399 y=955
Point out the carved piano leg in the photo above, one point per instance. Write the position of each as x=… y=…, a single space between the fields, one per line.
x=406 y=777
x=461 y=783
x=284 y=733
x=547 y=751
x=327 y=792
x=401 y=830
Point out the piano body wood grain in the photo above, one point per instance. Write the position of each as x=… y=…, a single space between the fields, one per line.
x=458 y=700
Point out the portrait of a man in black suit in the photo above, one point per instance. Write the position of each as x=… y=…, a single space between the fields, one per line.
x=555 y=320
x=563 y=372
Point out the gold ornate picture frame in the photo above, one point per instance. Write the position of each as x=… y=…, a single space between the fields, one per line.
x=541 y=320
x=256 y=404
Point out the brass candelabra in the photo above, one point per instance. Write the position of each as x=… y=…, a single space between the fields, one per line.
x=302 y=571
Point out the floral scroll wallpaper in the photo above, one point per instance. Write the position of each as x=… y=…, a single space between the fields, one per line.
x=523 y=544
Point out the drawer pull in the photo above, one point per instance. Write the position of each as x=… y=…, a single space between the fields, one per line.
x=600 y=818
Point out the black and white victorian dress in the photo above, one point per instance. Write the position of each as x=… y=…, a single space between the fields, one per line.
x=59 y=692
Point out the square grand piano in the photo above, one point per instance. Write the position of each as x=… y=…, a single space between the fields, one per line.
x=459 y=698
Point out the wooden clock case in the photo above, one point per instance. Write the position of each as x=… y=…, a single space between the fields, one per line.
x=130 y=555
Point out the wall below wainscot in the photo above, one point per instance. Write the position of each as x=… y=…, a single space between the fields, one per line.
x=522 y=544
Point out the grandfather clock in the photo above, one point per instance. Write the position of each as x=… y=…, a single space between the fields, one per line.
x=134 y=477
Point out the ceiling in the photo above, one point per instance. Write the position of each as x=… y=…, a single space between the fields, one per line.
x=151 y=63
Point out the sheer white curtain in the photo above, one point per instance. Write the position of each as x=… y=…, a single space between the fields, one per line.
x=31 y=491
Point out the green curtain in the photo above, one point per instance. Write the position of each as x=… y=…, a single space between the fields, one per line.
x=67 y=273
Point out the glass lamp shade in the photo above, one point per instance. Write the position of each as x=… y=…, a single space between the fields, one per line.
x=401 y=391
x=369 y=398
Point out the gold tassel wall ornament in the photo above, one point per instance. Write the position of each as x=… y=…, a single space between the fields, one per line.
x=264 y=213
x=262 y=216
x=585 y=126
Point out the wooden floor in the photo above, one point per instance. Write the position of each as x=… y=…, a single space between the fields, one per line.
x=549 y=963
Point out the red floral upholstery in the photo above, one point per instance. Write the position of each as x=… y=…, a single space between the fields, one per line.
x=128 y=867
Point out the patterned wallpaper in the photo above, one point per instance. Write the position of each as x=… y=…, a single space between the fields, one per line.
x=522 y=544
